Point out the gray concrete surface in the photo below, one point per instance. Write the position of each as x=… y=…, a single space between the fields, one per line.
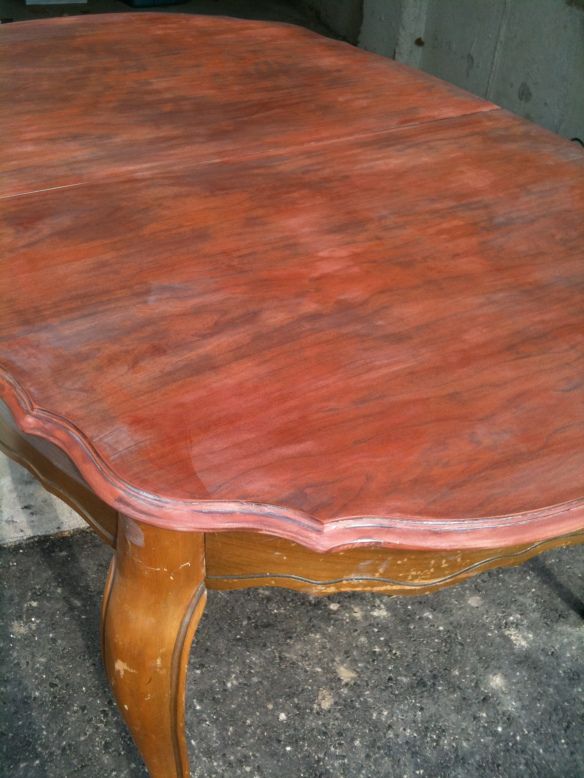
x=485 y=679
x=27 y=509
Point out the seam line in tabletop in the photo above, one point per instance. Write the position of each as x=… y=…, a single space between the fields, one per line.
x=152 y=170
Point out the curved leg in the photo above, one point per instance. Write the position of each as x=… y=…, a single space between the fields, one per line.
x=153 y=602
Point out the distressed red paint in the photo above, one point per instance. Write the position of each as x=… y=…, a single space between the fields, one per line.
x=256 y=279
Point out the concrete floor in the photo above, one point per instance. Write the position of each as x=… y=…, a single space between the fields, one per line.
x=27 y=510
x=486 y=679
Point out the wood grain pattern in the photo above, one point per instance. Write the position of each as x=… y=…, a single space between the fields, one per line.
x=153 y=602
x=136 y=94
x=334 y=300
x=239 y=560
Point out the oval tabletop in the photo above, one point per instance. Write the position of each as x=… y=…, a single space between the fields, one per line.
x=253 y=278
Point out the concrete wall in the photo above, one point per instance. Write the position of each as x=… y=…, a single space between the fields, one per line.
x=526 y=55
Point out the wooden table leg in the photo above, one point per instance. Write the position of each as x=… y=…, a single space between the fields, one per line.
x=153 y=602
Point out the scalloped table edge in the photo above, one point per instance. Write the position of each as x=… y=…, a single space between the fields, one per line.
x=415 y=532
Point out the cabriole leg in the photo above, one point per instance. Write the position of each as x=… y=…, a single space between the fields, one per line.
x=153 y=602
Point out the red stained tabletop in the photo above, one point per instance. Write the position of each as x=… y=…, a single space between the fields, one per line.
x=254 y=278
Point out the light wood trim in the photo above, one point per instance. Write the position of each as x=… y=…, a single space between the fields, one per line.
x=237 y=560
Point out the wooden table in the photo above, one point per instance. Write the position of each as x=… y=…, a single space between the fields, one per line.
x=278 y=312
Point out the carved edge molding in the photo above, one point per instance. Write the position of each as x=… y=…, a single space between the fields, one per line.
x=383 y=584
x=416 y=532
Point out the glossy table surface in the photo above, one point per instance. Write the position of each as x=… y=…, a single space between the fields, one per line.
x=257 y=279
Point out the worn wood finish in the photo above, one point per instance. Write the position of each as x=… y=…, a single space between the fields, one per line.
x=238 y=560
x=257 y=280
x=153 y=602
x=139 y=94
x=331 y=299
